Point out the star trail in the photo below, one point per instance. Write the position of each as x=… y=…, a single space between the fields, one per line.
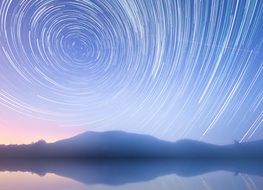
x=173 y=68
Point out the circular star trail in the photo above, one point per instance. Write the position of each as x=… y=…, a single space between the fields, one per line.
x=174 y=69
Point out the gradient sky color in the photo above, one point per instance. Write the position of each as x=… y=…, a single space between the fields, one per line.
x=173 y=69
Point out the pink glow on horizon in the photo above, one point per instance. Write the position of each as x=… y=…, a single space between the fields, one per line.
x=23 y=130
x=29 y=134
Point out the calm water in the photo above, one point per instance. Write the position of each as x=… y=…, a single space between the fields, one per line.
x=121 y=174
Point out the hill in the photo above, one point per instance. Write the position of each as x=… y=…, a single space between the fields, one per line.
x=117 y=144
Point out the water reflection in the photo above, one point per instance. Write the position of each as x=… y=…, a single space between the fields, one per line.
x=126 y=174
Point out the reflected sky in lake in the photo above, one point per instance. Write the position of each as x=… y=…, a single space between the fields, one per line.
x=80 y=175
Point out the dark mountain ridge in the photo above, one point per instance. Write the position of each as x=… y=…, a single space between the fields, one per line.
x=117 y=144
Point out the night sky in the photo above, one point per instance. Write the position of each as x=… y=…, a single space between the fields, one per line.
x=174 y=69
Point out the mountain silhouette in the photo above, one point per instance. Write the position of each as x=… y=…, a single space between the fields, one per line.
x=117 y=144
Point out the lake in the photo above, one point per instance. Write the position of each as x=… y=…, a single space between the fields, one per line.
x=131 y=174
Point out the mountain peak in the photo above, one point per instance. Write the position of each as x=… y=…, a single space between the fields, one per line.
x=119 y=144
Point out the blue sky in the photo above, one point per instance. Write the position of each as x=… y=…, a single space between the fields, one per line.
x=172 y=69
